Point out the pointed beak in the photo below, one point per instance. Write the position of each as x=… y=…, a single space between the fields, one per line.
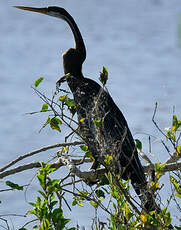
x=39 y=10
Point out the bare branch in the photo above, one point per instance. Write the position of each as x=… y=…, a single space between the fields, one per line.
x=174 y=157
x=170 y=167
x=59 y=163
x=38 y=151
x=91 y=174
x=20 y=169
x=172 y=162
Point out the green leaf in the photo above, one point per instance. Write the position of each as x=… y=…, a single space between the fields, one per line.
x=74 y=202
x=154 y=185
x=32 y=204
x=62 y=98
x=178 y=148
x=100 y=193
x=179 y=123
x=44 y=108
x=36 y=227
x=143 y=218
x=84 y=148
x=94 y=204
x=104 y=70
x=114 y=206
x=97 y=123
x=67 y=75
x=178 y=195
x=46 y=123
x=159 y=167
x=175 y=126
x=83 y=193
x=53 y=203
x=70 y=102
x=54 y=123
x=89 y=155
x=53 y=183
x=178 y=228
x=176 y=184
x=108 y=159
x=41 y=177
x=45 y=224
x=38 y=81
x=14 y=186
x=80 y=204
x=103 y=76
x=138 y=144
x=38 y=201
x=175 y=121
x=57 y=213
x=32 y=212
x=43 y=194
x=82 y=120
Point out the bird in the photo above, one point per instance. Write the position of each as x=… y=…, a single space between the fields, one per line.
x=102 y=125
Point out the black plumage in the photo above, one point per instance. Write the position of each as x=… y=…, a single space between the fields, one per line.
x=110 y=135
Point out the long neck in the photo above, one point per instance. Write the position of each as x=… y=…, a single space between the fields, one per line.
x=79 y=43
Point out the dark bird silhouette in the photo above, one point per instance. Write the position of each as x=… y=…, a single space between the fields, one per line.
x=104 y=128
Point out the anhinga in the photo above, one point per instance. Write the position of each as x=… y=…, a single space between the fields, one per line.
x=93 y=103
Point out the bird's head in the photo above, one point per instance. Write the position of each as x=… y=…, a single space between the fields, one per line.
x=72 y=58
x=53 y=11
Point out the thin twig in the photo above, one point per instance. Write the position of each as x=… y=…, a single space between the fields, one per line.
x=154 y=122
x=5 y=222
x=29 y=222
x=12 y=189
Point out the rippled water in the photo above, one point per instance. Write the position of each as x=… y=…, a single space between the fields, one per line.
x=136 y=40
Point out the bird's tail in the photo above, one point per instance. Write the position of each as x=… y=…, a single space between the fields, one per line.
x=147 y=198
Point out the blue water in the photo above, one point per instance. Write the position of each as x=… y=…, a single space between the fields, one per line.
x=136 y=40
